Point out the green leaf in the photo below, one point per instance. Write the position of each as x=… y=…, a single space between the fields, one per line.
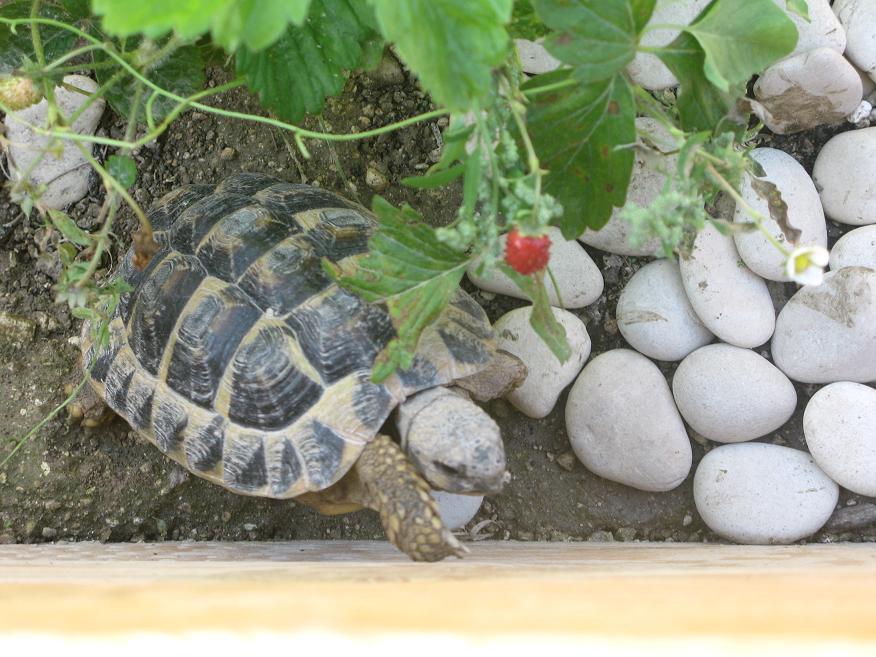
x=597 y=38
x=701 y=106
x=542 y=318
x=254 y=23
x=452 y=45
x=799 y=7
x=68 y=228
x=187 y=18
x=296 y=74
x=582 y=135
x=435 y=179
x=525 y=24
x=123 y=169
x=409 y=270
x=740 y=39
x=182 y=73
x=17 y=48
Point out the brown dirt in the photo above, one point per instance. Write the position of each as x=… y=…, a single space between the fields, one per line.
x=72 y=483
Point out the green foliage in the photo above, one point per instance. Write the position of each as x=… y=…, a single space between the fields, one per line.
x=799 y=7
x=123 y=169
x=596 y=37
x=740 y=39
x=257 y=24
x=701 y=105
x=309 y=63
x=559 y=149
x=582 y=134
x=68 y=228
x=409 y=270
x=181 y=72
x=525 y=23
x=253 y=23
x=542 y=319
x=453 y=45
x=16 y=48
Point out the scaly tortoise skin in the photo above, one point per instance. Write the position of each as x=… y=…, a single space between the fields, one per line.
x=239 y=358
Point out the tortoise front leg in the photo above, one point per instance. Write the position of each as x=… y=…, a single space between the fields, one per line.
x=389 y=484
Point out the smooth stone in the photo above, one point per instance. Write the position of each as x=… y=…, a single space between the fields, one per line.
x=804 y=213
x=822 y=30
x=868 y=83
x=827 y=332
x=816 y=87
x=623 y=424
x=762 y=494
x=534 y=57
x=840 y=428
x=730 y=395
x=655 y=316
x=547 y=376
x=646 y=69
x=457 y=510
x=857 y=248
x=646 y=182
x=733 y=302
x=845 y=176
x=578 y=278
x=66 y=175
x=858 y=17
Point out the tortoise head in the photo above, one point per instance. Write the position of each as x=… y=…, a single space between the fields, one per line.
x=454 y=444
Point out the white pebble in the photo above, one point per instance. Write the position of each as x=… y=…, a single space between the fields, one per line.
x=858 y=17
x=66 y=175
x=804 y=214
x=623 y=424
x=857 y=248
x=646 y=182
x=816 y=87
x=840 y=428
x=457 y=510
x=655 y=316
x=827 y=332
x=730 y=395
x=534 y=57
x=578 y=278
x=547 y=376
x=862 y=112
x=822 y=30
x=762 y=494
x=731 y=300
x=845 y=175
x=646 y=69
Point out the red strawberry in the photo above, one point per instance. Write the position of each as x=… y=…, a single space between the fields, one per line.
x=527 y=253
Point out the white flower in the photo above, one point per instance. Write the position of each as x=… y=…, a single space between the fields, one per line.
x=806 y=265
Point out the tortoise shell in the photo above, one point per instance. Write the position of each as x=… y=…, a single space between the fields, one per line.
x=242 y=360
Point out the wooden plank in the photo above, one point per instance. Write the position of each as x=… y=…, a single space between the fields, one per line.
x=808 y=593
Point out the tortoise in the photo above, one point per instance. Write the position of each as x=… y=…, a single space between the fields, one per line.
x=239 y=358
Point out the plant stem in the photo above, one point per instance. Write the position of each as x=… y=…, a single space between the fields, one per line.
x=758 y=218
x=301 y=132
x=562 y=84
x=36 y=40
x=72 y=55
x=60 y=407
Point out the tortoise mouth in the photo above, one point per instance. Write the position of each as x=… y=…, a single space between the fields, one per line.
x=457 y=479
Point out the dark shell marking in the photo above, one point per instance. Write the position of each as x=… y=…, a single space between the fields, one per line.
x=237 y=355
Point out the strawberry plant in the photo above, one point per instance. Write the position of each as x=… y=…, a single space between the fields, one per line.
x=557 y=149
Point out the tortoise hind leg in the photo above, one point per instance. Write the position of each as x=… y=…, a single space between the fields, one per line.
x=389 y=484
x=88 y=407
